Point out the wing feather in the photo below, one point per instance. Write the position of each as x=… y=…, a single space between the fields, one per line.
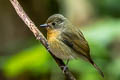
x=76 y=41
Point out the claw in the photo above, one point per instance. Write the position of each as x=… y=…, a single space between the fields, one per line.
x=64 y=68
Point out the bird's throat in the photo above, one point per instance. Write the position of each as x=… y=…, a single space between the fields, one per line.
x=52 y=35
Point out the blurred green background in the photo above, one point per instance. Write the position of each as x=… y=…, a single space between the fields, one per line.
x=22 y=57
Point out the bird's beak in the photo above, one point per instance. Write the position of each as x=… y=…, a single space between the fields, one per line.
x=44 y=25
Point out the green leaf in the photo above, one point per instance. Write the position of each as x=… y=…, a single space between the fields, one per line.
x=35 y=59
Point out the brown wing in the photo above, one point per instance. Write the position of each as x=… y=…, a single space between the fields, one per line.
x=76 y=41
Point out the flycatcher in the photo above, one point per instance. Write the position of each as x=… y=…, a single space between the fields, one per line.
x=67 y=41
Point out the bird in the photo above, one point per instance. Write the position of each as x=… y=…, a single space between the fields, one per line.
x=66 y=41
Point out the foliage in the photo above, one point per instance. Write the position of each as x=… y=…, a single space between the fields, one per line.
x=99 y=35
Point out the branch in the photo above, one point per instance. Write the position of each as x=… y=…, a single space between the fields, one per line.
x=39 y=36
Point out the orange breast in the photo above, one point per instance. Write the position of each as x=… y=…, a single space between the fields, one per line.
x=52 y=35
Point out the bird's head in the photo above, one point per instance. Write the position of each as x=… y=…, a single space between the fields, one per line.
x=56 y=21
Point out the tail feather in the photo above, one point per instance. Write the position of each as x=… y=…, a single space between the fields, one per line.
x=97 y=68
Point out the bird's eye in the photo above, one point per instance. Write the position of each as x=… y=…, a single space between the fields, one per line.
x=53 y=24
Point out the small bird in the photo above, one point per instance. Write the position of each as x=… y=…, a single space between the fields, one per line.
x=67 y=41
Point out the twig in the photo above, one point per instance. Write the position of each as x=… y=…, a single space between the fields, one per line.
x=39 y=36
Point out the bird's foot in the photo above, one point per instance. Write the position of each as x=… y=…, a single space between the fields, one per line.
x=64 y=68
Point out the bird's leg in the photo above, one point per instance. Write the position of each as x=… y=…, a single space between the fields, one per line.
x=65 y=67
x=67 y=62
